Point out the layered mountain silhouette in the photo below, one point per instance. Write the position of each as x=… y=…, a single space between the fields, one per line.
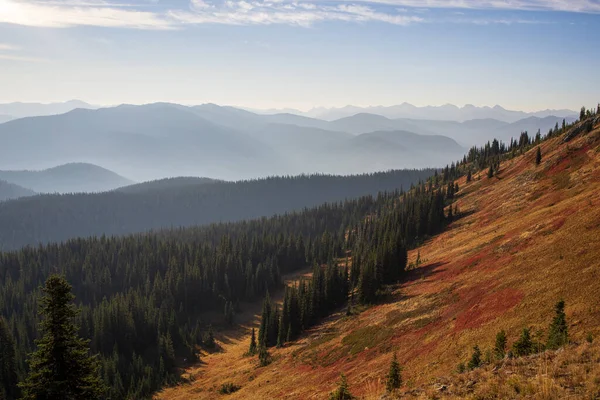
x=68 y=178
x=164 y=140
x=447 y=112
x=9 y=191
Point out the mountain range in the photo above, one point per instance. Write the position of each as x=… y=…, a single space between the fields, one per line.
x=162 y=140
x=446 y=112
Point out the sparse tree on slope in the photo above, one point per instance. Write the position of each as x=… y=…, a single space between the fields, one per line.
x=538 y=156
x=475 y=361
x=394 y=379
x=252 y=349
x=524 y=346
x=343 y=391
x=61 y=367
x=500 y=346
x=558 y=335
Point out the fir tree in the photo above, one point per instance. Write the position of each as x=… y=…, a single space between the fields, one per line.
x=394 y=380
x=469 y=177
x=61 y=367
x=490 y=173
x=264 y=358
x=558 y=334
x=524 y=346
x=538 y=156
x=343 y=391
x=8 y=371
x=500 y=346
x=475 y=361
x=252 y=348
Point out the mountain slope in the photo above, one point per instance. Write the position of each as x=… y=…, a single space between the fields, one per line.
x=68 y=178
x=524 y=239
x=9 y=191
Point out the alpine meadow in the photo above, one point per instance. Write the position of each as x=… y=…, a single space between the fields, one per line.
x=210 y=199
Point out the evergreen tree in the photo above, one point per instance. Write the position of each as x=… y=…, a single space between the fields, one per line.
x=524 y=346
x=343 y=391
x=500 y=346
x=490 y=173
x=8 y=369
x=558 y=335
x=61 y=367
x=469 y=177
x=475 y=361
x=538 y=156
x=264 y=358
x=252 y=348
x=394 y=380
x=582 y=113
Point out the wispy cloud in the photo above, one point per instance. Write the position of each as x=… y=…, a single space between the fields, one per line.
x=269 y=12
x=146 y=14
x=577 y=6
x=54 y=14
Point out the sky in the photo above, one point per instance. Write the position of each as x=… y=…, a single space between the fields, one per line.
x=521 y=54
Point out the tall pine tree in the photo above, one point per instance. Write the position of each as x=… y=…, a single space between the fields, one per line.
x=61 y=367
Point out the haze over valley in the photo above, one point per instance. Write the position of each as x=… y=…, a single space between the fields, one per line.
x=162 y=140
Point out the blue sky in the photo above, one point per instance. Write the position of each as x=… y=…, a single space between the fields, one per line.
x=521 y=54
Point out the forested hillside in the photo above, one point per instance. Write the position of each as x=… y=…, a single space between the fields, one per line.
x=142 y=297
x=51 y=218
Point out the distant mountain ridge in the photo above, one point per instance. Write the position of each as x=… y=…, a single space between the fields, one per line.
x=21 y=110
x=10 y=191
x=447 y=112
x=67 y=178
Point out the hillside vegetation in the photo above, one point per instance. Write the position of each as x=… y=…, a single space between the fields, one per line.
x=180 y=203
x=526 y=236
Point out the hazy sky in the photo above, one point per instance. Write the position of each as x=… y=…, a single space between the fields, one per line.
x=522 y=54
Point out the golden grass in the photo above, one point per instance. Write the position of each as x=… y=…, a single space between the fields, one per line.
x=527 y=240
